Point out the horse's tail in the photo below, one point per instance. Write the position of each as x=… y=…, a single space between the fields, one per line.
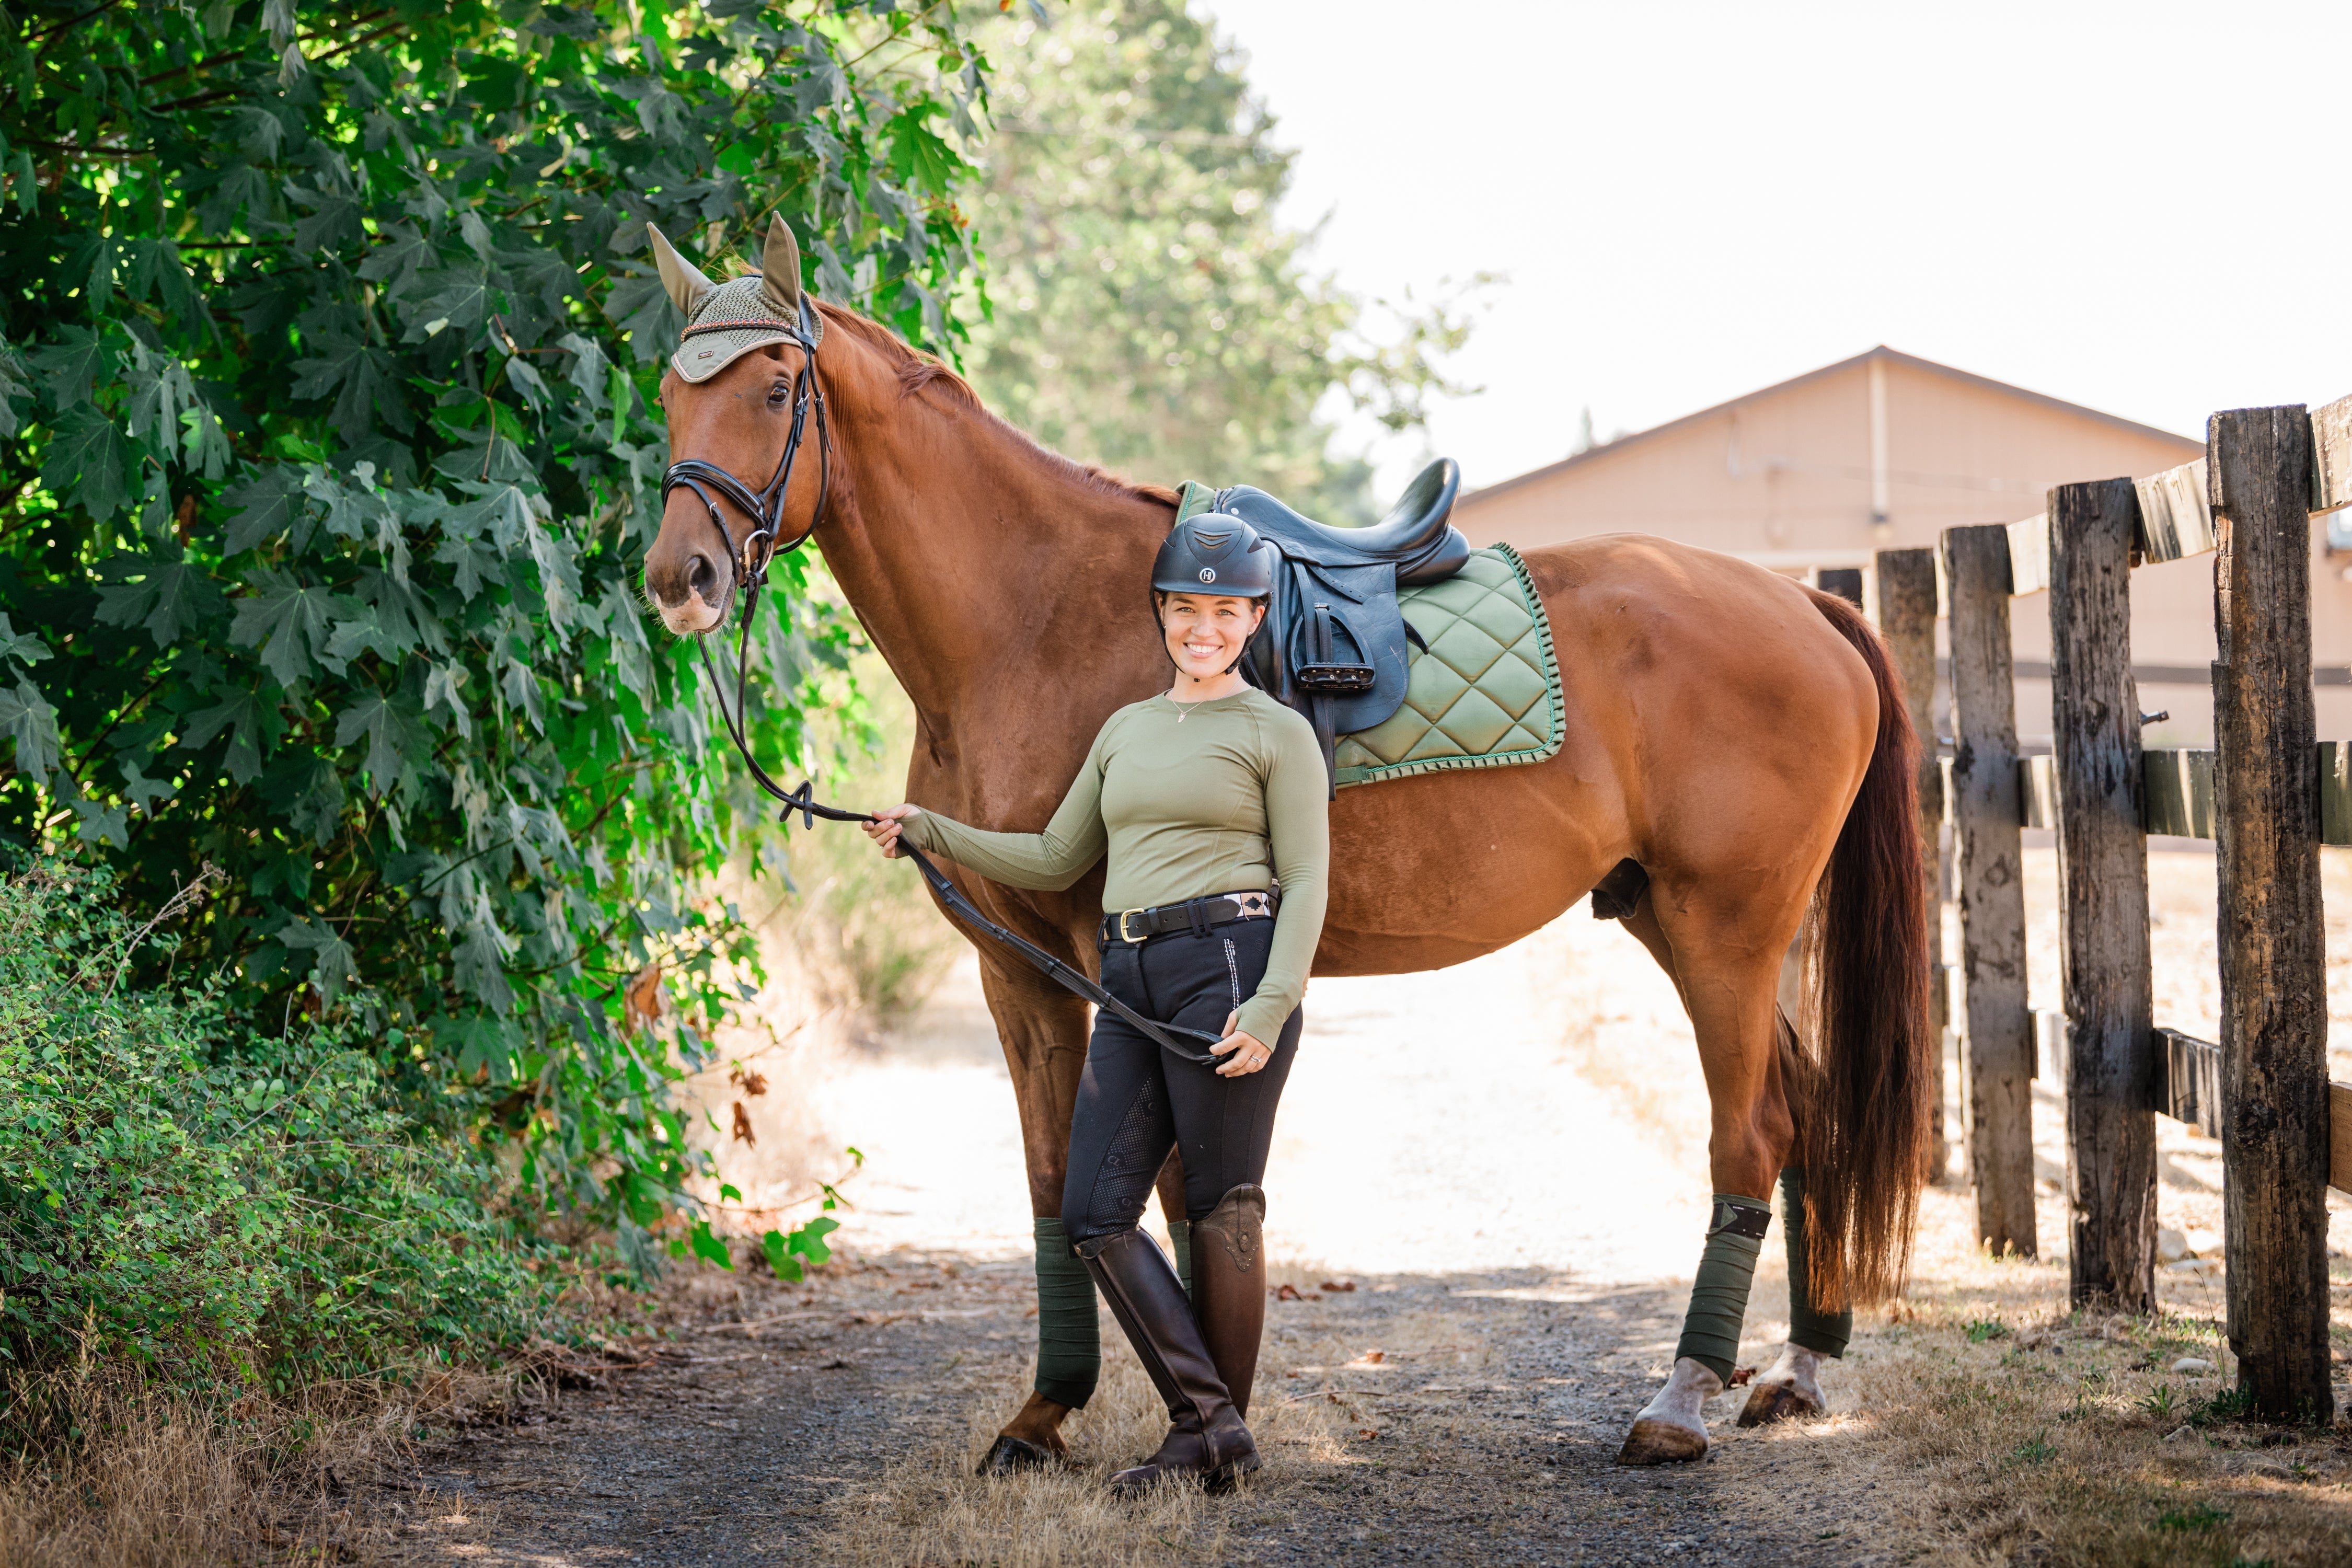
x=1862 y=1128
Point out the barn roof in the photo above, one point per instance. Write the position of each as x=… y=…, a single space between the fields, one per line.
x=1891 y=356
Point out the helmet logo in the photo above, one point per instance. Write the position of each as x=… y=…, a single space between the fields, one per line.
x=1208 y=574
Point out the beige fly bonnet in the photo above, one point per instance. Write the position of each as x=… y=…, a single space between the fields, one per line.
x=725 y=320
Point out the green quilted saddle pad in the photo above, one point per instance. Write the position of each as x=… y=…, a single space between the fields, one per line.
x=1485 y=695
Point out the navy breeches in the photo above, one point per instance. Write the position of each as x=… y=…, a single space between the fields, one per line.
x=1136 y=1101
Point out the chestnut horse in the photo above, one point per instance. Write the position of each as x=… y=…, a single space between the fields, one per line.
x=1741 y=737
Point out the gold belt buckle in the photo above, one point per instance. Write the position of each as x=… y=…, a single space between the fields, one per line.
x=1123 y=916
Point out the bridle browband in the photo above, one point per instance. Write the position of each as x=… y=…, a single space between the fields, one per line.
x=765 y=509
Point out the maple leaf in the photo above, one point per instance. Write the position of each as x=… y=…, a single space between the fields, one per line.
x=267 y=504
x=242 y=714
x=332 y=963
x=31 y=723
x=168 y=596
x=395 y=735
x=87 y=462
x=293 y=615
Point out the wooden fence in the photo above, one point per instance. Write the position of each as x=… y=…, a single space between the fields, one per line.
x=2269 y=793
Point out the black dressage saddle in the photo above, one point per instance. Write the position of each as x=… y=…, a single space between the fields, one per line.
x=1333 y=646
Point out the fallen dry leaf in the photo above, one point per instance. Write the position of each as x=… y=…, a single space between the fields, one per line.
x=750 y=1083
x=643 y=999
x=1287 y=1293
x=1740 y=1377
x=1376 y=1357
x=1338 y=1287
x=743 y=1133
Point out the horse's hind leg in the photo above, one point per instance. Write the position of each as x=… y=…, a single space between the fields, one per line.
x=1790 y=1387
x=1726 y=971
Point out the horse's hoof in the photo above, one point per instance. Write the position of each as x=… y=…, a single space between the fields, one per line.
x=1656 y=1442
x=1769 y=1402
x=1012 y=1456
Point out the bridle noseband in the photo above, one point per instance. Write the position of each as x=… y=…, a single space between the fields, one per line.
x=764 y=507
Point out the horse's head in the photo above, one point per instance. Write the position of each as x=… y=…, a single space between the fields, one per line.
x=737 y=395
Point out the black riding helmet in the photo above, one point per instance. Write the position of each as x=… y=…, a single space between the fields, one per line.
x=1214 y=553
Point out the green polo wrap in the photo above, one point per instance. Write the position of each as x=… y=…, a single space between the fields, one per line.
x=1808 y=1326
x=1070 y=1335
x=1180 y=1239
x=1719 y=1304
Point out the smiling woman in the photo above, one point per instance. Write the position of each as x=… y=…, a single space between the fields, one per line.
x=1217 y=850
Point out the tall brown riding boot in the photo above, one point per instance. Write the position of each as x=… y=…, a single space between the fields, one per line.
x=1206 y=1437
x=1229 y=1287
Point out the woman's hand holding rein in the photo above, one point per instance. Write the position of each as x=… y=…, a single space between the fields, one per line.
x=1245 y=1053
x=886 y=826
x=1249 y=1053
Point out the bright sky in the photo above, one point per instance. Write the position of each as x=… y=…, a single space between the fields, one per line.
x=2138 y=208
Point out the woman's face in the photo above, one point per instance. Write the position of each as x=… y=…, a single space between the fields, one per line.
x=1205 y=634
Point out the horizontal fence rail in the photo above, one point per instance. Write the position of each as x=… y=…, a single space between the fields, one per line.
x=2177 y=786
x=2176 y=509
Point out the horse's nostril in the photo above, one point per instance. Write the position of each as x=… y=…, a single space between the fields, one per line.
x=703 y=579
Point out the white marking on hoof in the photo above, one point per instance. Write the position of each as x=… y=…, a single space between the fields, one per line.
x=1671 y=1429
x=1790 y=1389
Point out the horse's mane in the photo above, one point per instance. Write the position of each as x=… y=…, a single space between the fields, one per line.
x=921 y=372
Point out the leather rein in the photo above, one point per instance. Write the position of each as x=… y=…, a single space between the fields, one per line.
x=766 y=509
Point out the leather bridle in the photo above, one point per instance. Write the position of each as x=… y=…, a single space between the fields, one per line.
x=766 y=509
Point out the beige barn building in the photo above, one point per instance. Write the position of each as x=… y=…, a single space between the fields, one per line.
x=1883 y=450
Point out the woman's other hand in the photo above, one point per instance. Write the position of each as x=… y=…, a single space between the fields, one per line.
x=888 y=825
x=1249 y=1053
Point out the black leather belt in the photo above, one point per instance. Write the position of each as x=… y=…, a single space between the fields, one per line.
x=1192 y=914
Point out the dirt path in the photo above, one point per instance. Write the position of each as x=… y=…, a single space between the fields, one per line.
x=1515 y=1219
x=1485 y=1430
x=1507 y=1161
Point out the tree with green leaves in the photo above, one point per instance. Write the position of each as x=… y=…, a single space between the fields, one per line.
x=328 y=454
x=1151 y=313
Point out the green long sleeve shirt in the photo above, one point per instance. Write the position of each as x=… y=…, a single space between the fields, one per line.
x=1190 y=799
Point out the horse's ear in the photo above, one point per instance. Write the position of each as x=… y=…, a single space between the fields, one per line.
x=681 y=279
x=780 y=265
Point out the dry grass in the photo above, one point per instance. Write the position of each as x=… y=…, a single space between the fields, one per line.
x=2002 y=1427
x=1980 y=1421
x=927 y=1508
x=129 y=1478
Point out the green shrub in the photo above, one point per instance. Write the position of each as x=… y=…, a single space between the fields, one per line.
x=219 y=1206
x=329 y=456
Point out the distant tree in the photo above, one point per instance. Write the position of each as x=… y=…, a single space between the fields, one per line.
x=1150 y=313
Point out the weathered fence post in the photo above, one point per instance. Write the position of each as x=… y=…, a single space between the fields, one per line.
x=2275 y=1128
x=1907 y=619
x=2103 y=897
x=1997 y=1080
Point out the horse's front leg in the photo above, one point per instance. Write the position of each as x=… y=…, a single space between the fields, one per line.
x=1044 y=1031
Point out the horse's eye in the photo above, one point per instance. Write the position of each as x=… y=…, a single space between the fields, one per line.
x=780 y=393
